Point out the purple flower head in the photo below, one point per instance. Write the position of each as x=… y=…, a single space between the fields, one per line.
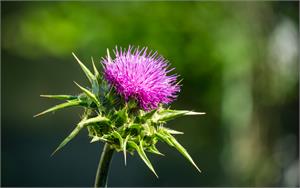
x=141 y=75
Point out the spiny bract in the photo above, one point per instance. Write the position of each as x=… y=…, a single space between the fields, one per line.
x=122 y=117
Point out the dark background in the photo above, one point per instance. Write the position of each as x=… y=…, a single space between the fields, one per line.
x=239 y=62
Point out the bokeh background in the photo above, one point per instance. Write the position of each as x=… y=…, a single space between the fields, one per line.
x=239 y=62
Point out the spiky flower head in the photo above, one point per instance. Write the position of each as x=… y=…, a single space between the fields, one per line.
x=121 y=124
x=141 y=75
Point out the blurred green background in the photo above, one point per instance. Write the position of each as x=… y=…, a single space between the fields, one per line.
x=239 y=62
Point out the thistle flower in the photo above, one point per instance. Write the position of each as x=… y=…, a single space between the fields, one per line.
x=142 y=76
x=119 y=123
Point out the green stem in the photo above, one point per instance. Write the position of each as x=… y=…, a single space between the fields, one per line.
x=103 y=166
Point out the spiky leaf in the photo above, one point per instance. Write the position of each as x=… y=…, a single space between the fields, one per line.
x=183 y=151
x=77 y=129
x=61 y=106
x=171 y=131
x=154 y=150
x=166 y=114
x=125 y=147
x=148 y=115
x=96 y=73
x=84 y=122
x=95 y=83
x=60 y=97
x=119 y=137
x=97 y=138
x=89 y=94
x=121 y=117
x=164 y=138
x=96 y=119
x=87 y=72
x=140 y=151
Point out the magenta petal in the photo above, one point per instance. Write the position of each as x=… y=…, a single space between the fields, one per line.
x=141 y=75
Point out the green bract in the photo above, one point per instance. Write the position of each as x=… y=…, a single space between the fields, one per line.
x=121 y=124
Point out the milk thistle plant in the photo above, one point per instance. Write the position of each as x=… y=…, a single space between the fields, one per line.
x=126 y=107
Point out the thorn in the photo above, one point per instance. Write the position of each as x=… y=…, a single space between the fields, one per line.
x=39 y=114
x=198 y=169
x=76 y=84
x=108 y=56
x=76 y=57
x=124 y=152
x=52 y=154
x=195 y=113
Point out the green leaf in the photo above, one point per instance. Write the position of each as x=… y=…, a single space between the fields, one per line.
x=135 y=126
x=164 y=138
x=87 y=72
x=79 y=126
x=124 y=147
x=96 y=73
x=135 y=129
x=119 y=137
x=61 y=106
x=84 y=122
x=154 y=150
x=95 y=83
x=140 y=151
x=121 y=117
x=183 y=151
x=60 y=97
x=148 y=115
x=171 y=131
x=89 y=94
x=97 y=138
x=96 y=119
x=167 y=114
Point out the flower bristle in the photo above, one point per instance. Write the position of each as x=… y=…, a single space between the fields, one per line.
x=141 y=75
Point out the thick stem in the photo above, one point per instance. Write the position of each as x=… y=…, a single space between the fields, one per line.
x=103 y=166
